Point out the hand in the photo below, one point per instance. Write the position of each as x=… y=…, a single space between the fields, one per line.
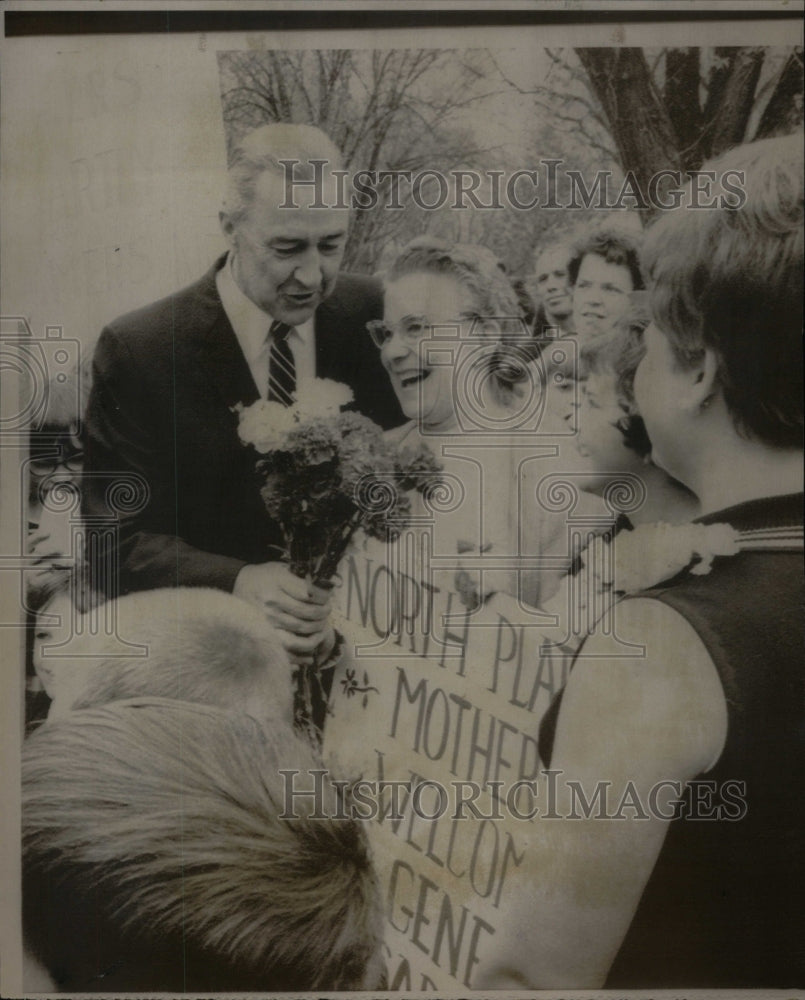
x=48 y=559
x=44 y=548
x=295 y=607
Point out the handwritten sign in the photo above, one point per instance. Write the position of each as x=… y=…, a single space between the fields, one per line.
x=438 y=710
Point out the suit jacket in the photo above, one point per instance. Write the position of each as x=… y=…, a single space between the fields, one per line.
x=162 y=457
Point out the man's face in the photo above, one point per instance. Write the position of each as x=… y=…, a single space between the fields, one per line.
x=286 y=260
x=552 y=283
x=600 y=295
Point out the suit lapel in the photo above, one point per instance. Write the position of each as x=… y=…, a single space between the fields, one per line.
x=327 y=341
x=218 y=353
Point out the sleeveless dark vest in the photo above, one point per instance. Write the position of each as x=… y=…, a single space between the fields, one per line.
x=725 y=904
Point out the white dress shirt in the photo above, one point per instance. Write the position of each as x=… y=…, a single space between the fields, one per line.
x=251 y=325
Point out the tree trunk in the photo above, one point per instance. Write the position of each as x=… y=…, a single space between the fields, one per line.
x=681 y=94
x=783 y=113
x=637 y=117
x=735 y=106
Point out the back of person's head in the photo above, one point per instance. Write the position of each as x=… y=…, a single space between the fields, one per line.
x=615 y=244
x=729 y=279
x=201 y=645
x=264 y=149
x=156 y=857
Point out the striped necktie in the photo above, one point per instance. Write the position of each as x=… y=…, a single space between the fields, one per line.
x=281 y=365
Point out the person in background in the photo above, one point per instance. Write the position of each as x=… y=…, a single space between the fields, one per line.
x=55 y=462
x=604 y=271
x=161 y=852
x=56 y=459
x=553 y=292
x=613 y=460
x=612 y=442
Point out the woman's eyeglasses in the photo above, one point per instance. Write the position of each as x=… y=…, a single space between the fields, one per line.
x=413 y=328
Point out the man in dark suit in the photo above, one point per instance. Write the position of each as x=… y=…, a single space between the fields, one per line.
x=268 y=317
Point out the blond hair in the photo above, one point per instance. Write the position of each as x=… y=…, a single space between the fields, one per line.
x=156 y=857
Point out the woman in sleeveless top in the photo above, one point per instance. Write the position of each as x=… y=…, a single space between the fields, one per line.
x=679 y=748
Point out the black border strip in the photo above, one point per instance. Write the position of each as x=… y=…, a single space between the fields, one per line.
x=20 y=23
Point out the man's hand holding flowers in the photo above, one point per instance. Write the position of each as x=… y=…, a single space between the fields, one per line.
x=325 y=474
x=297 y=608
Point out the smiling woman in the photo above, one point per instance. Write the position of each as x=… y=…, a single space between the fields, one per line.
x=456 y=349
x=442 y=301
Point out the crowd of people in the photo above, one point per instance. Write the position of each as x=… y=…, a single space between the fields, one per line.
x=673 y=361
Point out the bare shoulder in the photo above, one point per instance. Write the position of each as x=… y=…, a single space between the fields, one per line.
x=649 y=693
x=642 y=713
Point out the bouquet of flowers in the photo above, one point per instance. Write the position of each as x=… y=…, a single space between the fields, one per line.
x=325 y=474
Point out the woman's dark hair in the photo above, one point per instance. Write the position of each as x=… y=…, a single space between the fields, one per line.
x=729 y=279
x=615 y=245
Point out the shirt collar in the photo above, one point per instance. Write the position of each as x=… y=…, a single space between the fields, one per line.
x=251 y=323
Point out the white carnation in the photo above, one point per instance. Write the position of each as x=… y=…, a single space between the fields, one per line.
x=323 y=397
x=653 y=553
x=265 y=425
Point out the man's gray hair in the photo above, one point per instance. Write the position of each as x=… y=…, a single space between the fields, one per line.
x=263 y=149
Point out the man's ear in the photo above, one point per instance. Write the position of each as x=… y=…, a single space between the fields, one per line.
x=227 y=227
x=701 y=381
